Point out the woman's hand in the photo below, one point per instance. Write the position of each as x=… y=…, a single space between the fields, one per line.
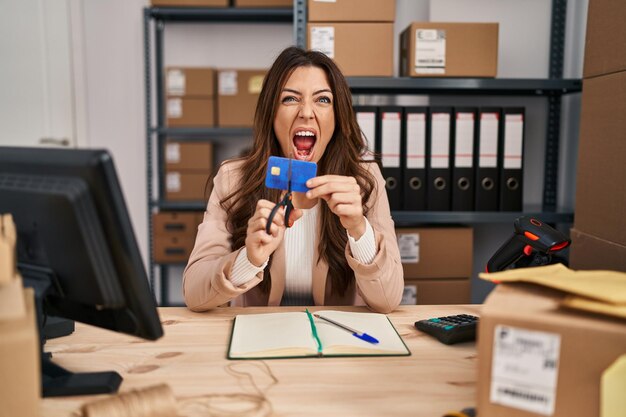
x=259 y=244
x=343 y=196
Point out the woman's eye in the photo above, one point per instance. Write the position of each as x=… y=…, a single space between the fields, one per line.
x=324 y=99
x=289 y=99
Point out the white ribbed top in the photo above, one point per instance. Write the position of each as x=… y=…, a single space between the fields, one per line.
x=299 y=249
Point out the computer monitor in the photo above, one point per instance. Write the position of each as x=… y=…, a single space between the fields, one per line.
x=77 y=248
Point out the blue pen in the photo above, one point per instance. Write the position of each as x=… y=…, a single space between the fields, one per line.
x=355 y=333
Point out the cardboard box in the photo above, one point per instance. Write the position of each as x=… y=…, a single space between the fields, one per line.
x=238 y=93
x=20 y=387
x=190 y=112
x=605 y=43
x=263 y=3
x=591 y=252
x=176 y=223
x=172 y=249
x=190 y=3
x=601 y=174
x=438 y=291
x=431 y=49
x=359 y=49
x=351 y=11
x=436 y=253
x=533 y=354
x=187 y=186
x=188 y=155
x=190 y=82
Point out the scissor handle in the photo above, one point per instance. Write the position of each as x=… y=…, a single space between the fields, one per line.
x=288 y=211
x=270 y=219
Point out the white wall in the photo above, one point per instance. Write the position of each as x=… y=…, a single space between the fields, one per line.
x=115 y=83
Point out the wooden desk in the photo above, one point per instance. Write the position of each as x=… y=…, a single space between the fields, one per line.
x=191 y=358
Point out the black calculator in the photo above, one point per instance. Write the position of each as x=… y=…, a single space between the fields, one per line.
x=450 y=329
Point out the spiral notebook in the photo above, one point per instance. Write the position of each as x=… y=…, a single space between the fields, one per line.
x=299 y=335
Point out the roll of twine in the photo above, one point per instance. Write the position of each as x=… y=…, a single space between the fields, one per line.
x=155 y=401
x=159 y=400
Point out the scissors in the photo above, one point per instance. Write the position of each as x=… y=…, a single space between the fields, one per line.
x=286 y=201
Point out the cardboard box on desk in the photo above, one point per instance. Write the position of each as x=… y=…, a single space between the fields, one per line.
x=605 y=47
x=351 y=11
x=537 y=358
x=188 y=155
x=20 y=385
x=431 y=49
x=591 y=252
x=359 y=49
x=600 y=196
x=237 y=95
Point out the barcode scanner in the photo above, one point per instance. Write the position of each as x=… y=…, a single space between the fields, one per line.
x=534 y=242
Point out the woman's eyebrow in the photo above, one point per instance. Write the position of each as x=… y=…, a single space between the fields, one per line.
x=290 y=90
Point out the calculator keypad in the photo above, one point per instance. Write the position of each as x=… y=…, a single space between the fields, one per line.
x=450 y=329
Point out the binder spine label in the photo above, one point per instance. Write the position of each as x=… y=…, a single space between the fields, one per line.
x=514 y=128
x=488 y=153
x=440 y=142
x=464 y=145
x=416 y=140
x=390 y=148
x=367 y=123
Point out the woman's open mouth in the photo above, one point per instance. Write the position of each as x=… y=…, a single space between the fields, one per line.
x=303 y=142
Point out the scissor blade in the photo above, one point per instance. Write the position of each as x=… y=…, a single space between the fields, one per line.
x=289 y=176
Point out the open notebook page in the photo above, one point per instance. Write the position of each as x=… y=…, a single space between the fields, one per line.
x=339 y=341
x=272 y=333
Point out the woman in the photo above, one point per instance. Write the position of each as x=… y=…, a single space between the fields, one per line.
x=341 y=247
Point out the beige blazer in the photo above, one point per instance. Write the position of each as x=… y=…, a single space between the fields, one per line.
x=206 y=283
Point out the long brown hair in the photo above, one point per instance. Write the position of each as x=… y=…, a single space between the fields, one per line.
x=343 y=156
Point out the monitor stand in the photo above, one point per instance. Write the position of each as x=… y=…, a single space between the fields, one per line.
x=57 y=381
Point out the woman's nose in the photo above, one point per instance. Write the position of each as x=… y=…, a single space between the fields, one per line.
x=306 y=110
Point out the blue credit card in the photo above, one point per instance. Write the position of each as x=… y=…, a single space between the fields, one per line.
x=277 y=175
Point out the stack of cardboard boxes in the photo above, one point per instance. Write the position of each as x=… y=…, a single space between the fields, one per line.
x=437 y=264
x=357 y=34
x=188 y=166
x=599 y=233
x=190 y=97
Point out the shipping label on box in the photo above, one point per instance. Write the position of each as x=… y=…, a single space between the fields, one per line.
x=409 y=245
x=175 y=82
x=227 y=83
x=430 y=51
x=525 y=369
x=323 y=40
x=409 y=295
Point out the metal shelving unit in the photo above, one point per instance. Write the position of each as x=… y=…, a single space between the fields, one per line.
x=155 y=20
x=552 y=88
